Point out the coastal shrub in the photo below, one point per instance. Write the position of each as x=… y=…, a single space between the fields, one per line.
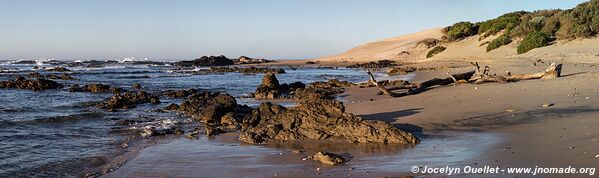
x=460 y=31
x=552 y=24
x=499 y=41
x=534 y=40
x=436 y=50
x=507 y=21
x=428 y=42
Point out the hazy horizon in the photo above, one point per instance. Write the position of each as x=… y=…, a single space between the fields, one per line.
x=177 y=30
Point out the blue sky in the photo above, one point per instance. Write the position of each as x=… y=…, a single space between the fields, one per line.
x=180 y=29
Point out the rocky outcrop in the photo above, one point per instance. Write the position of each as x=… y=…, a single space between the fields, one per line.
x=271 y=89
x=319 y=119
x=95 y=88
x=249 y=60
x=327 y=158
x=128 y=100
x=58 y=69
x=206 y=61
x=35 y=85
x=247 y=70
x=213 y=109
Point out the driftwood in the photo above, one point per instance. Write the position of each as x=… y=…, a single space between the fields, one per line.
x=475 y=77
x=382 y=88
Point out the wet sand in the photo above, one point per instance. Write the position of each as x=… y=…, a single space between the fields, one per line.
x=492 y=124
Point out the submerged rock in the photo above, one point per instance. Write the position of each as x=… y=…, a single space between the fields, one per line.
x=206 y=61
x=128 y=100
x=35 y=85
x=51 y=76
x=327 y=158
x=179 y=93
x=95 y=88
x=319 y=119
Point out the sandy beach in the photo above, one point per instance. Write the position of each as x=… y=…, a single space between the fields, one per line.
x=497 y=125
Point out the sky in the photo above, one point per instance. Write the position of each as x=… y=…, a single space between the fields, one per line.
x=186 y=29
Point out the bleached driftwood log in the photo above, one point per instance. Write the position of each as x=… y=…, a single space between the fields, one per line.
x=475 y=77
x=382 y=88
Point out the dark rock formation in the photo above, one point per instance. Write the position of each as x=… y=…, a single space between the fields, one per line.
x=128 y=100
x=58 y=69
x=179 y=93
x=251 y=69
x=271 y=89
x=95 y=88
x=213 y=109
x=35 y=85
x=378 y=64
x=50 y=76
x=206 y=61
x=319 y=119
x=92 y=63
x=327 y=158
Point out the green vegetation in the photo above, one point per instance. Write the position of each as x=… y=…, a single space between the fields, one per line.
x=538 y=27
x=498 y=42
x=460 y=31
x=533 y=40
x=507 y=21
x=436 y=50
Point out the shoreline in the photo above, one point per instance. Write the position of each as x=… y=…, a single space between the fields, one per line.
x=466 y=109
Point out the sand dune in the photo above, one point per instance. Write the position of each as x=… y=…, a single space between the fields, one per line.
x=405 y=48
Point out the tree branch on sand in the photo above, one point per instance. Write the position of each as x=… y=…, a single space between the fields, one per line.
x=474 y=77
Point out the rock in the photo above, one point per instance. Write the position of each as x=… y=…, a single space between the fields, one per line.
x=378 y=64
x=172 y=107
x=58 y=69
x=35 y=75
x=210 y=108
x=400 y=70
x=158 y=130
x=327 y=158
x=271 y=89
x=212 y=131
x=270 y=81
x=179 y=93
x=206 y=61
x=546 y=105
x=310 y=62
x=249 y=60
x=319 y=119
x=61 y=77
x=95 y=88
x=35 y=85
x=251 y=69
x=137 y=86
x=128 y=100
x=50 y=76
